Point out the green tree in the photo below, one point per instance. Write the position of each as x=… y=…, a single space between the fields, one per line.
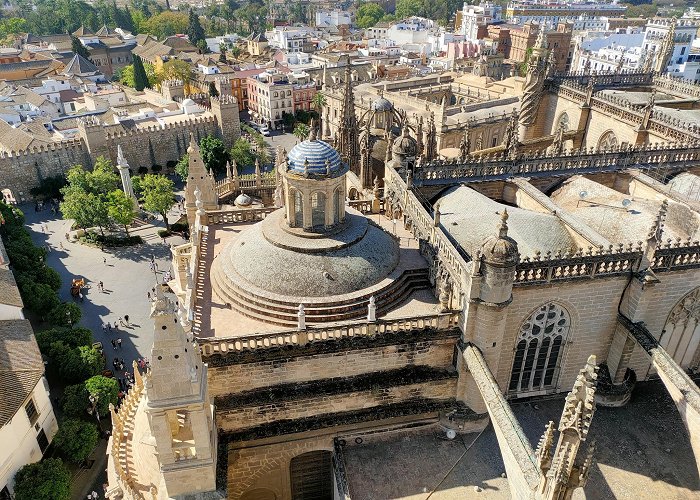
x=75 y=400
x=165 y=24
x=157 y=195
x=45 y=480
x=72 y=337
x=140 y=77
x=106 y=390
x=368 y=14
x=65 y=314
x=242 y=153
x=318 y=101
x=76 y=439
x=214 y=154
x=212 y=90
x=183 y=166
x=121 y=209
x=175 y=69
x=202 y=47
x=85 y=196
x=38 y=297
x=78 y=48
x=194 y=28
x=408 y=8
x=75 y=364
x=301 y=131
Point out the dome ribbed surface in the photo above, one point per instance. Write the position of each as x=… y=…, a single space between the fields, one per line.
x=316 y=152
x=382 y=104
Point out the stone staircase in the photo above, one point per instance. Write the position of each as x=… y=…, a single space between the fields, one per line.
x=284 y=312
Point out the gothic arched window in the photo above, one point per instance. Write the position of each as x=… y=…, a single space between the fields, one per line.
x=681 y=336
x=607 y=141
x=563 y=122
x=318 y=210
x=298 y=210
x=538 y=350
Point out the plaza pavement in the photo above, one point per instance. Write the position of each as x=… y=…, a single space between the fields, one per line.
x=126 y=276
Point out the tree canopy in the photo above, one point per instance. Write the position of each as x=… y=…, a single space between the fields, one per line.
x=157 y=195
x=369 y=14
x=141 y=80
x=76 y=439
x=106 y=390
x=45 y=480
x=165 y=24
x=195 y=32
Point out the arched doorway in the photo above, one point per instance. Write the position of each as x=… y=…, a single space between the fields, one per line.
x=538 y=351
x=312 y=476
x=681 y=336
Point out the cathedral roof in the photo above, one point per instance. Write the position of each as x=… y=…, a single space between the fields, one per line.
x=314 y=157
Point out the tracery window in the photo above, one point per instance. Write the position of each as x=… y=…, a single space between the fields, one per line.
x=538 y=350
x=607 y=141
x=563 y=122
x=681 y=337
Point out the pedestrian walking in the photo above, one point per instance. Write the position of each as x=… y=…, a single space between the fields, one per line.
x=67 y=237
x=104 y=328
x=109 y=326
x=114 y=344
x=102 y=287
x=104 y=260
x=126 y=319
x=148 y=294
x=119 y=343
x=121 y=321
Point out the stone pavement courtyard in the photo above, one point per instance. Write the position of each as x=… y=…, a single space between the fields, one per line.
x=643 y=452
x=126 y=276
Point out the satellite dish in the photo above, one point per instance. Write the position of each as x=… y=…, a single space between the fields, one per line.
x=582 y=194
x=451 y=434
x=626 y=203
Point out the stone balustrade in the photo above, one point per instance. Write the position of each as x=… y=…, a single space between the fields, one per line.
x=122 y=426
x=216 y=217
x=288 y=338
x=672 y=255
x=495 y=167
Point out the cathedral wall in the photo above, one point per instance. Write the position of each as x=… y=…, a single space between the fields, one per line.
x=600 y=123
x=240 y=377
x=592 y=306
x=246 y=416
x=553 y=108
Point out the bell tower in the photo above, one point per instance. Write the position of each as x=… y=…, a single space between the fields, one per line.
x=180 y=415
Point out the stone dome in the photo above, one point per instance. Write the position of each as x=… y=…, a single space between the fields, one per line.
x=502 y=249
x=243 y=200
x=382 y=104
x=188 y=102
x=314 y=157
x=405 y=145
x=268 y=259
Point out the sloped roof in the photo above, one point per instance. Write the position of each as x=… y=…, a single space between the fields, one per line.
x=21 y=367
x=82 y=31
x=80 y=66
x=104 y=31
x=9 y=293
x=260 y=37
x=179 y=43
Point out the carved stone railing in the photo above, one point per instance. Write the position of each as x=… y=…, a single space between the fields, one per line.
x=683 y=87
x=495 y=167
x=215 y=217
x=581 y=265
x=246 y=184
x=336 y=331
x=673 y=255
x=122 y=428
x=604 y=79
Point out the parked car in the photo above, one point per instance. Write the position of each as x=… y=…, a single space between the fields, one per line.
x=264 y=130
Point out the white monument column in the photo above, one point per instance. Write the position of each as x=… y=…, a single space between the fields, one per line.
x=123 y=168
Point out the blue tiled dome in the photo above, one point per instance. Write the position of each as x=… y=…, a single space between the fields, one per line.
x=382 y=104
x=316 y=152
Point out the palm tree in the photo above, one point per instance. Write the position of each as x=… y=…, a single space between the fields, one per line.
x=318 y=101
x=301 y=131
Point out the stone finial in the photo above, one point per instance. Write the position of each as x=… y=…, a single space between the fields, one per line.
x=306 y=167
x=301 y=318
x=328 y=167
x=436 y=217
x=656 y=231
x=580 y=402
x=503 y=229
x=371 y=310
x=228 y=170
x=544 y=447
x=193 y=144
x=313 y=133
